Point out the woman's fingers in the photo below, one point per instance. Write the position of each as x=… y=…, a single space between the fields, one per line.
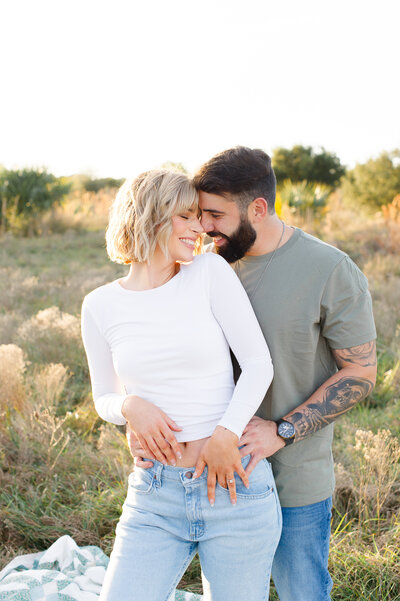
x=173 y=425
x=153 y=448
x=175 y=450
x=199 y=469
x=211 y=479
x=241 y=472
x=165 y=447
x=231 y=484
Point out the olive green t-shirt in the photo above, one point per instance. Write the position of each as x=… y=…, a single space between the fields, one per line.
x=311 y=299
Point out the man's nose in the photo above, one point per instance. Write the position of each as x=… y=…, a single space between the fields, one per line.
x=206 y=223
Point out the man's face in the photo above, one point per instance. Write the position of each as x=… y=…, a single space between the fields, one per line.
x=232 y=233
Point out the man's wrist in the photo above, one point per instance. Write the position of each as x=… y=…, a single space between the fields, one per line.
x=285 y=430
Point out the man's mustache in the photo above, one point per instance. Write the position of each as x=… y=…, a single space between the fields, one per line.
x=217 y=235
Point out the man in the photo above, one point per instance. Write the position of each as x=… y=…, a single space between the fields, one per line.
x=314 y=308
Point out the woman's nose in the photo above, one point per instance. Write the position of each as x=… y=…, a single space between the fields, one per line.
x=197 y=227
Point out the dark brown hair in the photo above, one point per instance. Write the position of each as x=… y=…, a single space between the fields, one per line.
x=240 y=174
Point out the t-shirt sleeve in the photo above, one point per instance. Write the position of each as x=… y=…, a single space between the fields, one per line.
x=232 y=309
x=346 y=307
x=108 y=392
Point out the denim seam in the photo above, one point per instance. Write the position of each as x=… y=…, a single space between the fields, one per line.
x=250 y=496
x=140 y=491
x=189 y=558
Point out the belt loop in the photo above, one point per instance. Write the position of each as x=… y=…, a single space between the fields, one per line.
x=157 y=474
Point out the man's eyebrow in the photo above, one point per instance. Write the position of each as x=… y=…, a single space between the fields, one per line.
x=212 y=211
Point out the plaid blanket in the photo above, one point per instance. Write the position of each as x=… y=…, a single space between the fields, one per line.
x=65 y=572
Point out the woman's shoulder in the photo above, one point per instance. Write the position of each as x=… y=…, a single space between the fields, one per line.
x=208 y=258
x=206 y=262
x=208 y=268
x=100 y=294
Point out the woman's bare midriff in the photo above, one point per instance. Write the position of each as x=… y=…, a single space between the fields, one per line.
x=190 y=452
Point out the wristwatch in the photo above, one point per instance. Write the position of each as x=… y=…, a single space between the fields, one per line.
x=285 y=431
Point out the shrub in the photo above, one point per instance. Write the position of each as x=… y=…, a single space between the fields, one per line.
x=12 y=368
x=374 y=183
x=51 y=336
x=304 y=197
x=25 y=195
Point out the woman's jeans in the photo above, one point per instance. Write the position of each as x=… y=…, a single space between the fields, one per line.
x=167 y=518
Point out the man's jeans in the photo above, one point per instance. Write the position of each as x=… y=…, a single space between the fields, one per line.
x=167 y=518
x=300 y=567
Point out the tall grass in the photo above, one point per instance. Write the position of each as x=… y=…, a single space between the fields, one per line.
x=63 y=471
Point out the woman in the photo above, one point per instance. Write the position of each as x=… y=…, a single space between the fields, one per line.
x=157 y=343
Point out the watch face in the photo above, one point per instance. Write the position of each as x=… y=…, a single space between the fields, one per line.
x=286 y=430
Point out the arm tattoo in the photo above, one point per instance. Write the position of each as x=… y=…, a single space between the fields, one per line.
x=363 y=355
x=339 y=397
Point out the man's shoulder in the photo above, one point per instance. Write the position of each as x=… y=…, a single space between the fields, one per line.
x=318 y=247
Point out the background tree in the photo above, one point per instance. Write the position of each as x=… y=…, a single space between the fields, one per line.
x=94 y=185
x=302 y=163
x=174 y=167
x=306 y=198
x=374 y=183
x=26 y=194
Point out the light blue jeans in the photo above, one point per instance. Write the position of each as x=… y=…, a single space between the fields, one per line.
x=300 y=567
x=167 y=518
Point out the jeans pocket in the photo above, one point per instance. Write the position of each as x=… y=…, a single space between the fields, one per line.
x=141 y=481
x=261 y=484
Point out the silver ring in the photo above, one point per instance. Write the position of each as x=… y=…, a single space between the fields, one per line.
x=230 y=481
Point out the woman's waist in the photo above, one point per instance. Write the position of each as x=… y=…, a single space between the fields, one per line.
x=190 y=452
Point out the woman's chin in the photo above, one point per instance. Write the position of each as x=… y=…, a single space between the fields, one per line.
x=185 y=257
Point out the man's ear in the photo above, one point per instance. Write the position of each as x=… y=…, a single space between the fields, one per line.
x=258 y=210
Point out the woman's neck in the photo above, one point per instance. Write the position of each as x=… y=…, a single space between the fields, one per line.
x=154 y=273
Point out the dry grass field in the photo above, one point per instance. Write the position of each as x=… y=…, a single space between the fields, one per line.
x=63 y=471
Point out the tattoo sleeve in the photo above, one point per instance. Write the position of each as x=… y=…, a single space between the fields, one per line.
x=341 y=395
x=363 y=355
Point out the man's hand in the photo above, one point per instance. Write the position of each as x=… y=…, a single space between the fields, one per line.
x=261 y=440
x=137 y=450
x=221 y=455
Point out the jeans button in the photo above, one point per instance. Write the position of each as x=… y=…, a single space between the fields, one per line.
x=189 y=475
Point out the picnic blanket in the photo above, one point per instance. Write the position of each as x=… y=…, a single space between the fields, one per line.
x=65 y=572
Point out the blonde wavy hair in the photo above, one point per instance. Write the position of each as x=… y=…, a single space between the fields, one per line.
x=141 y=214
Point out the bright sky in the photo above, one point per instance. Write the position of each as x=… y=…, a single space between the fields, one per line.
x=118 y=86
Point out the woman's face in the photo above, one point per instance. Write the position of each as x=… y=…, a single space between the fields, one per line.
x=186 y=228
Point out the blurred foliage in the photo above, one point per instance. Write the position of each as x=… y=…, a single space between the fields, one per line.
x=174 y=167
x=82 y=182
x=374 y=183
x=95 y=185
x=26 y=194
x=304 y=196
x=303 y=163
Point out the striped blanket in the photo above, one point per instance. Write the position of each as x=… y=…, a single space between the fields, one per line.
x=65 y=572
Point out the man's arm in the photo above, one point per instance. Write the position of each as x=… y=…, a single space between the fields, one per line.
x=351 y=384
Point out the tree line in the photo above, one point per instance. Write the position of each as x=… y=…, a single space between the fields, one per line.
x=305 y=177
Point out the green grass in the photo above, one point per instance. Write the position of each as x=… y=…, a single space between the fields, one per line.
x=62 y=471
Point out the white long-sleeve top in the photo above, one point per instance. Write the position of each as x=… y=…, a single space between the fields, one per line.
x=170 y=345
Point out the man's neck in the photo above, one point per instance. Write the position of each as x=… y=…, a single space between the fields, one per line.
x=269 y=235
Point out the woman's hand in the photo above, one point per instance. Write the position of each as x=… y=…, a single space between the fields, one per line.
x=221 y=455
x=153 y=429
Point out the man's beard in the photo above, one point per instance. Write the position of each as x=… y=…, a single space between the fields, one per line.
x=238 y=243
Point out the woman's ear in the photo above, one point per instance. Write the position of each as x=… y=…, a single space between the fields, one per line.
x=258 y=209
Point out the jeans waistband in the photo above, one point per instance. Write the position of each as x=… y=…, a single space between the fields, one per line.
x=176 y=473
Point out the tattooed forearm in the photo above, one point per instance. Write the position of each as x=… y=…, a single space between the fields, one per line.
x=339 y=397
x=363 y=355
